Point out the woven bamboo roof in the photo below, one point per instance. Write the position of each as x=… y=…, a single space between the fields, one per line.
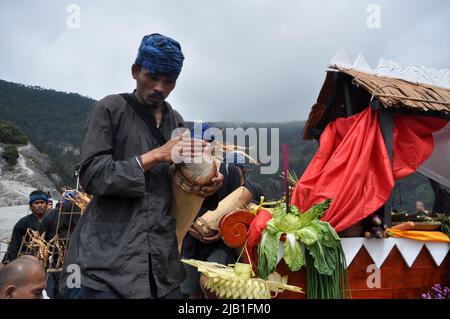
x=393 y=93
x=396 y=92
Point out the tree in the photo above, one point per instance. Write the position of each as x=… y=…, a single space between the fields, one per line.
x=10 y=154
x=10 y=134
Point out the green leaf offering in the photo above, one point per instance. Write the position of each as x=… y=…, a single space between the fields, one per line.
x=325 y=259
x=322 y=253
x=268 y=253
x=293 y=255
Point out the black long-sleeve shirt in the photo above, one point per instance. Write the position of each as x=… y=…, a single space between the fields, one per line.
x=62 y=222
x=19 y=231
x=127 y=224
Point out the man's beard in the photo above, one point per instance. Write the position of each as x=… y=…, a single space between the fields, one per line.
x=39 y=211
x=154 y=100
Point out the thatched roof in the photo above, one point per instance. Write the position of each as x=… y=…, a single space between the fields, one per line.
x=393 y=93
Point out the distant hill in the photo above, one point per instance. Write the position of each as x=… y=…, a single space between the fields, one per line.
x=54 y=121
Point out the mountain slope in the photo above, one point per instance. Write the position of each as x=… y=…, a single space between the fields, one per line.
x=30 y=173
x=53 y=121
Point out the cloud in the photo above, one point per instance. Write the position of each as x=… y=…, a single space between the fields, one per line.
x=245 y=60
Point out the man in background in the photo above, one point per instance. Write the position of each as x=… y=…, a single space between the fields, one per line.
x=23 y=278
x=420 y=208
x=49 y=205
x=60 y=221
x=38 y=205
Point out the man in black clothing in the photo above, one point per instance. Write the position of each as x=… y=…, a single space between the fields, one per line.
x=62 y=222
x=125 y=243
x=50 y=205
x=38 y=205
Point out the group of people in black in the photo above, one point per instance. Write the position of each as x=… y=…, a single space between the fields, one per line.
x=47 y=222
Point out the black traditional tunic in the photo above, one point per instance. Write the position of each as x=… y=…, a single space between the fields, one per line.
x=126 y=237
x=19 y=231
x=62 y=223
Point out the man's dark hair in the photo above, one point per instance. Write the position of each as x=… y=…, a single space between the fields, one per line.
x=37 y=195
x=38 y=192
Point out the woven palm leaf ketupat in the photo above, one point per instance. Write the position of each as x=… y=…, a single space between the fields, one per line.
x=236 y=282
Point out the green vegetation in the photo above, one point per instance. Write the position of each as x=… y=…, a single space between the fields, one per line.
x=10 y=134
x=50 y=119
x=10 y=155
x=326 y=266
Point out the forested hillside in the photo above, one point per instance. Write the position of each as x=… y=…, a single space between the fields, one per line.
x=53 y=121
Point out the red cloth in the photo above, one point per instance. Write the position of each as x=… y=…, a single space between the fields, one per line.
x=257 y=226
x=352 y=166
x=254 y=234
x=413 y=141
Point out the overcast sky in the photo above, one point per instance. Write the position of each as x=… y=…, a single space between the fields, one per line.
x=246 y=60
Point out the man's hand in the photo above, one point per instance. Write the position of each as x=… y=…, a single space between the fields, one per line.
x=213 y=187
x=189 y=150
x=206 y=240
x=174 y=150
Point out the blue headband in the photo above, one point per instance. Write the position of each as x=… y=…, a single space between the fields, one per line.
x=160 y=55
x=199 y=131
x=38 y=196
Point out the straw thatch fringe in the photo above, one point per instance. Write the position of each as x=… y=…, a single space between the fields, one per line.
x=391 y=92
x=394 y=92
